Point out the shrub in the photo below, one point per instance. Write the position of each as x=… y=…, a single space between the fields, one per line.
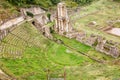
x=29 y=14
x=48 y=15
x=82 y=2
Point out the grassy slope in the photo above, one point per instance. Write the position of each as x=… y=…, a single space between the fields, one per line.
x=87 y=70
x=101 y=12
x=39 y=55
x=7 y=10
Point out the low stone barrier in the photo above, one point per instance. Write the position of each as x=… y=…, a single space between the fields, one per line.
x=11 y=23
x=108 y=47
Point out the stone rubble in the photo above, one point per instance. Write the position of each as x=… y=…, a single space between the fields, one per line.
x=63 y=27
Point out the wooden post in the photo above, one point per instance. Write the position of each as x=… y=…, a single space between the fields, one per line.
x=64 y=74
x=48 y=75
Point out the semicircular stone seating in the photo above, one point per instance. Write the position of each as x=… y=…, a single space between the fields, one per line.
x=15 y=42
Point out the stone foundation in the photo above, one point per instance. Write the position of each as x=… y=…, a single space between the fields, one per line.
x=100 y=44
x=62 y=26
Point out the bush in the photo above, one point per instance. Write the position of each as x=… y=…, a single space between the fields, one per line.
x=117 y=0
x=55 y=1
x=82 y=2
x=5 y=5
x=29 y=14
x=71 y=4
x=48 y=15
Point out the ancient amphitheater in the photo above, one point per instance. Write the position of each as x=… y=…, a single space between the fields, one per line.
x=52 y=43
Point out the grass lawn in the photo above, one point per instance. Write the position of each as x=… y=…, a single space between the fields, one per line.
x=101 y=12
x=38 y=55
x=78 y=46
x=41 y=54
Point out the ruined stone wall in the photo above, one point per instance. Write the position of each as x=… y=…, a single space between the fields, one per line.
x=33 y=10
x=62 y=22
x=62 y=25
x=11 y=23
x=44 y=29
x=4 y=17
x=108 y=47
x=40 y=19
x=3 y=33
x=39 y=16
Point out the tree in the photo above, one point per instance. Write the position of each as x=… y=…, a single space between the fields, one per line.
x=83 y=1
x=55 y=1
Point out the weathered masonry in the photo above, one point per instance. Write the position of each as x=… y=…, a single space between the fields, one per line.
x=63 y=27
x=40 y=20
x=62 y=23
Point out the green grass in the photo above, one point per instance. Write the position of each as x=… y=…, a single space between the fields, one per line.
x=78 y=46
x=62 y=55
x=73 y=43
x=101 y=12
x=38 y=54
x=93 y=72
x=117 y=24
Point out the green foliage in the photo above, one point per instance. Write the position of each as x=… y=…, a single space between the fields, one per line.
x=30 y=14
x=117 y=0
x=47 y=3
x=117 y=24
x=75 y=44
x=41 y=54
x=83 y=1
x=55 y=1
x=5 y=4
x=48 y=15
x=71 y=4
x=21 y=2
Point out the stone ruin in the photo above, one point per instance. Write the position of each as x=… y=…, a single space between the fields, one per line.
x=63 y=27
x=44 y=29
x=62 y=22
x=81 y=36
x=109 y=47
x=3 y=33
x=40 y=19
x=101 y=44
x=34 y=10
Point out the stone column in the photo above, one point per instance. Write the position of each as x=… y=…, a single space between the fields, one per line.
x=62 y=26
x=62 y=23
x=56 y=25
x=67 y=28
x=61 y=11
